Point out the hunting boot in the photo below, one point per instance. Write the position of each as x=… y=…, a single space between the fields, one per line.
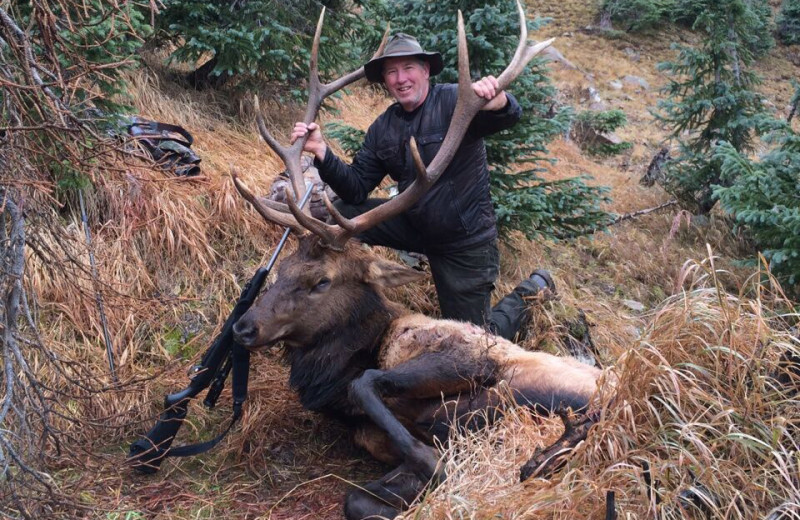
x=511 y=315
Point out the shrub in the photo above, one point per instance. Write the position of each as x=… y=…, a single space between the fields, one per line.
x=637 y=15
x=257 y=39
x=709 y=100
x=788 y=22
x=751 y=20
x=592 y=126
x=762 y=199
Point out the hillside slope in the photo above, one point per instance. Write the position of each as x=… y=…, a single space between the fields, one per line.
x=658 y=293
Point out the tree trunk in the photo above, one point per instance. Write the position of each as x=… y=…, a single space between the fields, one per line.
x=202 y=78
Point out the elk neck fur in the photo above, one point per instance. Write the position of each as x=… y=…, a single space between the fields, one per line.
x=322 y=370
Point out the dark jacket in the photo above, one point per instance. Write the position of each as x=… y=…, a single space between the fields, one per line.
x=457 y=212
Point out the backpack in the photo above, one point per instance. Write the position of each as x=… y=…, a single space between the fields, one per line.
x=167 y=144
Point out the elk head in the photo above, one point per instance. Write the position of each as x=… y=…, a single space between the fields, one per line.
x=318 y=289
x=325 y=277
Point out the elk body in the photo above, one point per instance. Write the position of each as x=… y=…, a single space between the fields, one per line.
x=401 y=379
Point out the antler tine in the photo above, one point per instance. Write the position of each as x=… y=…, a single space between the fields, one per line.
x=345 y=223
x=469 y=103
x=317 y=92
x=269 y=214
x=524 y=53
x=332 y=235
x=385 y=211
x=277 y=147
x=464 y=79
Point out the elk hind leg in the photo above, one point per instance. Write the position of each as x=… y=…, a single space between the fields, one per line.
x=548 y=385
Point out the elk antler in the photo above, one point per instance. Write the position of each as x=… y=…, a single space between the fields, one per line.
x=467 y=105
x=291 y=155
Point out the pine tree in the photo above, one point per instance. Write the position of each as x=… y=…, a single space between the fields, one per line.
x=637 y=15
x=523 y=200
x=789 y=22
x=255 y=40
x=755 y=14
x=710 y=98
x=762 y=199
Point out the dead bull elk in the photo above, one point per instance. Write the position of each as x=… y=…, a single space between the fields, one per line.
x=401 y=378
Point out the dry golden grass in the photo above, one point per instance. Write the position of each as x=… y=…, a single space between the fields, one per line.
x=698 y=402
x=694 y=367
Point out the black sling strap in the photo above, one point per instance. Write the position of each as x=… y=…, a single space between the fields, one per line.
x=146 y=129
x=222 y=357
x=240 y=361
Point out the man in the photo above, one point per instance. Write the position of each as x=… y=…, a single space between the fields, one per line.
x=454 y=223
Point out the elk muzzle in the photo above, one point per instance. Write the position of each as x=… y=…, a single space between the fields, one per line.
x=245 y=332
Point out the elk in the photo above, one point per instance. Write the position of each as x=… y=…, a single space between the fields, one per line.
x=400 y=379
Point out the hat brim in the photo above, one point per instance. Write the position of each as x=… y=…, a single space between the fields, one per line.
x=374 y=68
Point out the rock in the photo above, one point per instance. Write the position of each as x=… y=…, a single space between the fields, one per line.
x=607 y=288
x=614 y=84
x=631 y=54
x=584 y=134
x=637 y=81
x=590 y=94
x=700 y=221
x=413 y=260
x=633 y=305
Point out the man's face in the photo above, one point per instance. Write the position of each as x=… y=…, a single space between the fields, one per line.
x=407 y=80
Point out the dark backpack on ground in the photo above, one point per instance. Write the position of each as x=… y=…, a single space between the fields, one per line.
x=168 y=145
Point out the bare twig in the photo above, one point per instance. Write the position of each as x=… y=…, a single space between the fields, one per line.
x=641 y=212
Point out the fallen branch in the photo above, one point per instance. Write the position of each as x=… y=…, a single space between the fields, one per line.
x=635 y=214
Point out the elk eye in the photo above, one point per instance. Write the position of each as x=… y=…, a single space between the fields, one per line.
x=322 y=285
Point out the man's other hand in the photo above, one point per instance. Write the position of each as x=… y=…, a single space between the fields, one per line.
x=315 y=143
x=487 y=88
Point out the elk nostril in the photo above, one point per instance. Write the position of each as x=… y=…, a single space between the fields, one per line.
x=244 y=332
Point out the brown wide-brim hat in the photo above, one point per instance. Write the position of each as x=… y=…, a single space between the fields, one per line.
x=402 y=45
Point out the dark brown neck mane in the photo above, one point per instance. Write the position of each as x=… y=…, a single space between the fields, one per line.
x=322 y=370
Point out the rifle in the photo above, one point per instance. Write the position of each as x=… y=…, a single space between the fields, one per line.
x=223 y=356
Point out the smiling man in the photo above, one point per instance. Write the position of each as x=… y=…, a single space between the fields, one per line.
x=454 y=223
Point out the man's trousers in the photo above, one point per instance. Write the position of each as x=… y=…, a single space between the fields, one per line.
x=464 y=279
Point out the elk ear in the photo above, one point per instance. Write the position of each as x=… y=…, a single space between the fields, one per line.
x=391 y=274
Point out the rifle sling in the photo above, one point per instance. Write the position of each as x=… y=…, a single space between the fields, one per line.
x=241 y=371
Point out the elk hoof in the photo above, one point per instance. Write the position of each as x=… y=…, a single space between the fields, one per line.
x=546 y=462
x=424 y=461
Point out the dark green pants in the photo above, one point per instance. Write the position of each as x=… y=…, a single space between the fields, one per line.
x=464 y=279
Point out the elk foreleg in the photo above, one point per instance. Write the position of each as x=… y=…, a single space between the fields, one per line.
x=384 y=498
x=435 y=374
